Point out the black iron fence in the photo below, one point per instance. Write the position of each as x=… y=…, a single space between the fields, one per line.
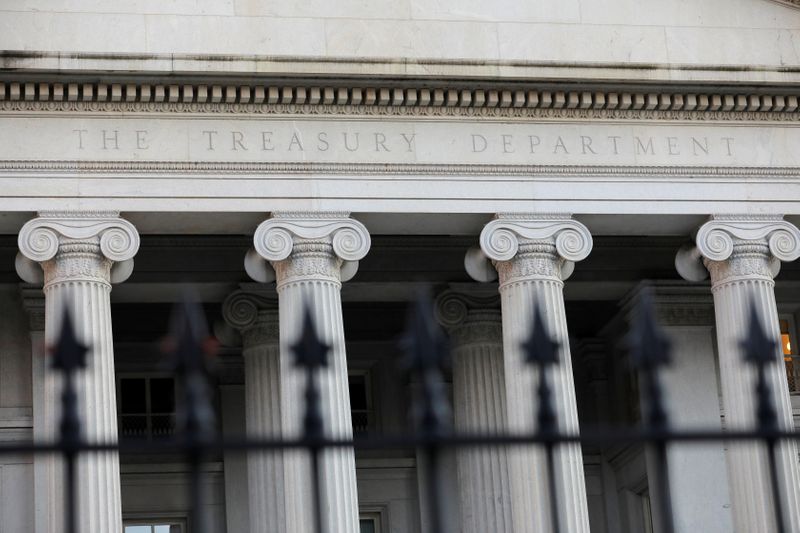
x=426 y=355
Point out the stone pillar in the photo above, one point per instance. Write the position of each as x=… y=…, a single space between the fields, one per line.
x=48 y=470
x=473 y=320
x=81 y=254
x=533 y=255
x=254 y=313
x=312 y=253
x=743 y=255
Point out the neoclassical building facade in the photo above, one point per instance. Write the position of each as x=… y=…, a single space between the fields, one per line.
x=346 y=155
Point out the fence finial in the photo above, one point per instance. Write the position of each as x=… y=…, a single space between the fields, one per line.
x=69 y=354
x=309 y=350
x=541 y=350
x=650 y=347
x=760 y=350
x=650 y=350
x=311 y=354
x=190 y=344
x=426 y=356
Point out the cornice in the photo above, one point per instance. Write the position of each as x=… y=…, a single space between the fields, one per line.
x=374 y=169
x=475 y=102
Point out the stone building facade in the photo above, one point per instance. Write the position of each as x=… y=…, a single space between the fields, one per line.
x=348 y=153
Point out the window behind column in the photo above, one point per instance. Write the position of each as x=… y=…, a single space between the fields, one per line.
x=146 y=406
x=154 y=526
x=361 y=407
x=789 y=350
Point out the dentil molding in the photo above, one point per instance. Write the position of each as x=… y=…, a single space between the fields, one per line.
x=478 y=101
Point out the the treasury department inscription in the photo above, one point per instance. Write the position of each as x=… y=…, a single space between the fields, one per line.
x=395 y=142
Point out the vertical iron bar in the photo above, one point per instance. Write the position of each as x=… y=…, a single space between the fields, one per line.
x=190 y=344
x=547 y=427
x=313 y=433
x=195 y=495
x=551 y=485
x=426 y=355
x=69 y=355
x=319 y=526
x=650 y=350
x=70 y=498
x=434 y=485
x=761 y=349
x=311 y=354
x=664 y=495
x=542 y=351
x=776 y=492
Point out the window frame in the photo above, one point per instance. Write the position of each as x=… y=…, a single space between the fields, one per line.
x=147 y=376
x=370 y=411
x=375 y=513
x=155 y=519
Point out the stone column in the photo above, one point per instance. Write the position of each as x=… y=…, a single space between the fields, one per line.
x=743 y=255
x=473 y=320
x=48 y=470
x=533 y=255
x=312 y=253
x=254 y=313
x=81 y=254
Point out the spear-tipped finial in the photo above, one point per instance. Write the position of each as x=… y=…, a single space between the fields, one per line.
x=540 y=348
x=426 y=356
x=423 y=341
x=69 y=354
x=650 y=347
x=759 y=348
x=309 y=350
x=189 y=344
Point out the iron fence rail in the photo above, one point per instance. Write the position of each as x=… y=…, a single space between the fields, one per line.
x=426 y=358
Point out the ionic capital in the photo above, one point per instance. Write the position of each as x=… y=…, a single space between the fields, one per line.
x=742 y=246
x=717 y=238
x=80 y=245
x=275 y=238
x=254 y=314
x=471 y=315
x=501 y=238
x=310 y=246
x=531 y=246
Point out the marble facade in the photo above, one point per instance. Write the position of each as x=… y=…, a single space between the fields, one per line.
x=346 y=154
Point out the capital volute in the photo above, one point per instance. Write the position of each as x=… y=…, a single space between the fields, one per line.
x=242 y=308
x=251 y=316
x=501 y=238
x=717 y=240
x=454 y=305
x=41 y=239
x=470 y=314
x=275 y=238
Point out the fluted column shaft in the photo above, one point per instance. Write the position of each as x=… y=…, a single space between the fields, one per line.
x=48 y=470
x=476 y=340
x=533 y=255
x=256 y=317
x=77 y=254
x=308 y=251
x=743 y=254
